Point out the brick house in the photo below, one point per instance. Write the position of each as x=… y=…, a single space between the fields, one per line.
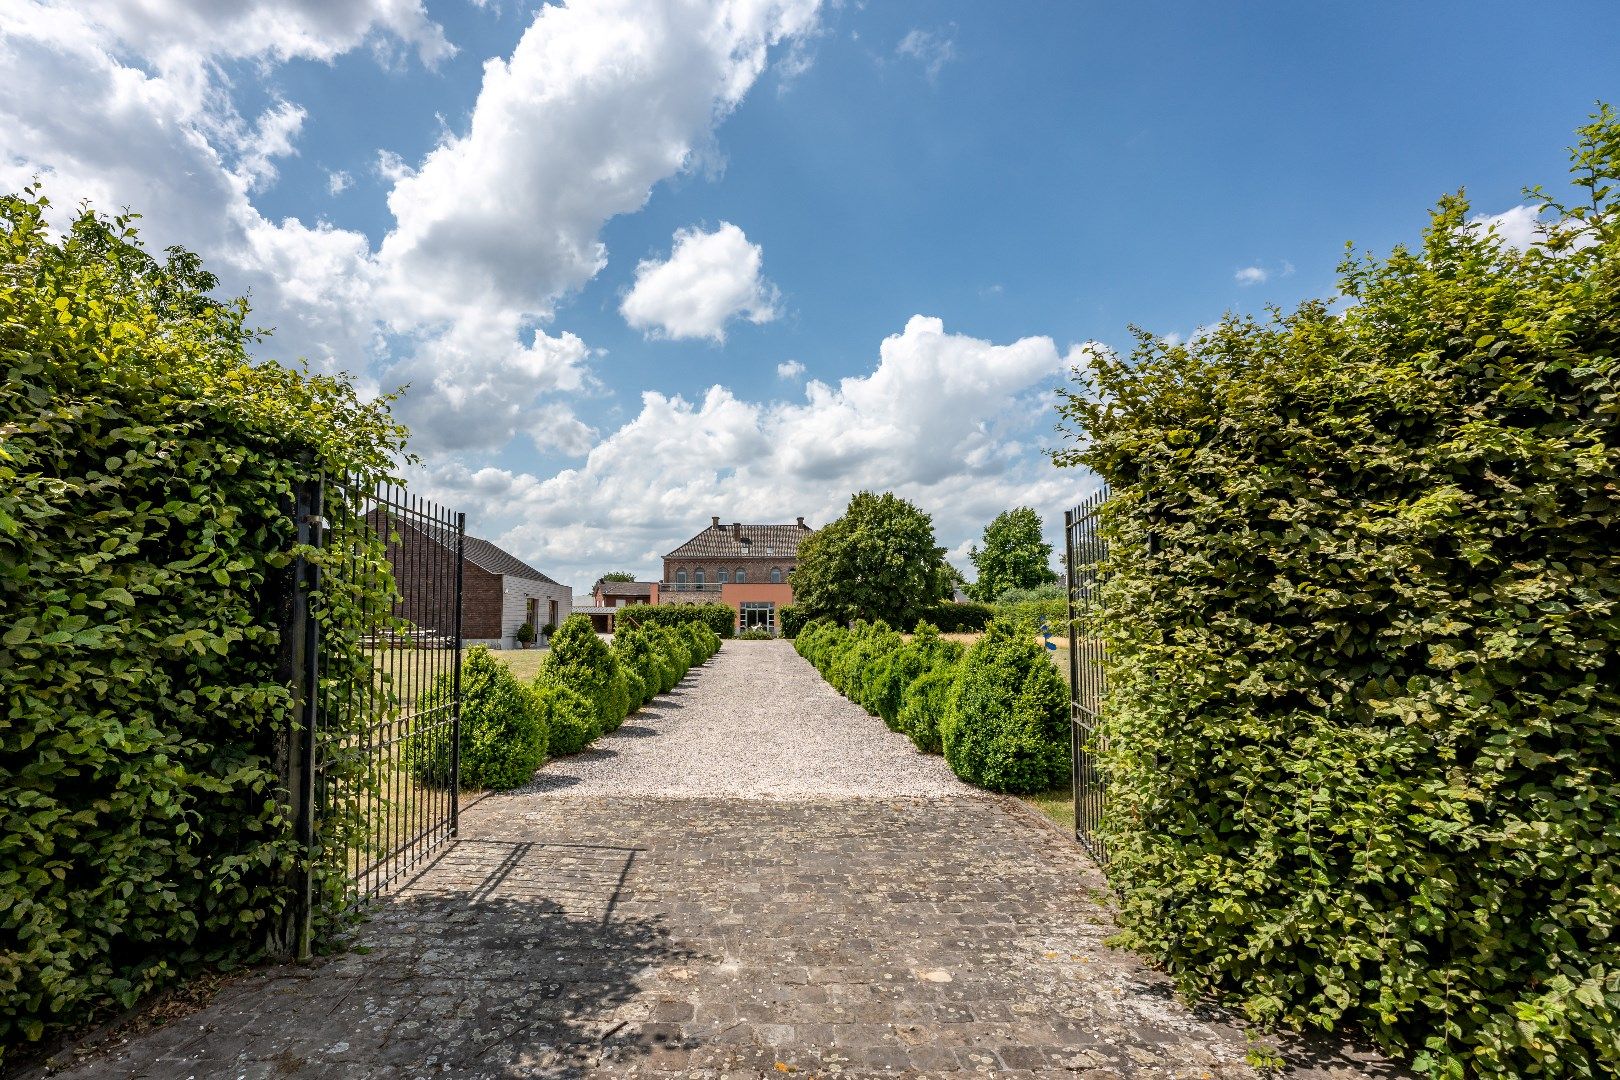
x=609 y=595
x=748 y=567
x=499 y=591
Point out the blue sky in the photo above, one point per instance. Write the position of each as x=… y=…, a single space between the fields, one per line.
x=643 y=261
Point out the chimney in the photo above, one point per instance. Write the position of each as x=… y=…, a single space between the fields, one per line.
x=716 y=520
x=802 y=525
x=736 y=529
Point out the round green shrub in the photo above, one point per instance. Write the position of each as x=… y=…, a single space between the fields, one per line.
x=569 y=715
x=924 y=707
x=1007 y=724
x=635 y=688
x=637 y=649
x=581 y=660
x=619 y=693
x=503 y=729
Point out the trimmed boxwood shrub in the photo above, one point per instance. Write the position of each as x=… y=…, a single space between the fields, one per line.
x=635 y=688
x=895 y=673
x=1363 y=713
x=503 y=729
x=721 y=618
x=582 y=661
x=145 y=461
x=1007 y=724
x=570 y=717
x=926 y=700
x=637 y=648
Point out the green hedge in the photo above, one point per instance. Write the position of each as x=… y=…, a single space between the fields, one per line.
x=1364 y=705
x=570 y=717
x=790 y=619
x=965 y=618
x=721 y=618
x=145 y=464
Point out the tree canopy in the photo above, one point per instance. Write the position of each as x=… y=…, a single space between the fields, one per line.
x=616 y=575
x=878 y=561
x=1013 y=556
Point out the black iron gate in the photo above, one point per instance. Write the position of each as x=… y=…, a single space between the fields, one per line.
x=1084 y=554
x=374 y=655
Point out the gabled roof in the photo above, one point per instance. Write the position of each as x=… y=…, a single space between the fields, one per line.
x=485 y=555
x=625 y=588
x=726 y=542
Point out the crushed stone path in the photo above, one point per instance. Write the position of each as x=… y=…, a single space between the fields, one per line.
x=755 y=722
x=741 y=928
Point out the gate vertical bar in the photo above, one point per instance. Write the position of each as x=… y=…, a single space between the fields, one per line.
x=1074 y=671
x=455 y=708
x=304 y=635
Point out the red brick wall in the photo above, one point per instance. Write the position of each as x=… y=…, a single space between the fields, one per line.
x=424 y=572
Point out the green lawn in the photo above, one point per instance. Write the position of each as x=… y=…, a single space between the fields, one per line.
x=1057 y=804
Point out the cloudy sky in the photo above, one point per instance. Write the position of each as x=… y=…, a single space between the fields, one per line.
x=644 y=261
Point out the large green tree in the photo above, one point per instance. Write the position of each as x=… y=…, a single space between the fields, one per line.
x=878 y=561
x=1013 y=556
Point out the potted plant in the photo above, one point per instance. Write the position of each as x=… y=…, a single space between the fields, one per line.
x=546 y=631
x=524 y=635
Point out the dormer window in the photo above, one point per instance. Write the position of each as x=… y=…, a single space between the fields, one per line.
x=770 y=551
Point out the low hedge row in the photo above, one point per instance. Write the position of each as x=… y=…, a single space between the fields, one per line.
x=721 y=618
x=998 y=711
x=585 y=688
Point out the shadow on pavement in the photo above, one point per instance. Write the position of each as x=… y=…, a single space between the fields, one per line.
x=500 y=959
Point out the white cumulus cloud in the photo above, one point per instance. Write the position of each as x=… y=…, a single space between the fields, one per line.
x=708 y=280
x=947 y=420
x=789 y=370
x=1251 y=275
x=1519 y=226
x=599 y=101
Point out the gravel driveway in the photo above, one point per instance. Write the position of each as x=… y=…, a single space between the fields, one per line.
x=755 y=722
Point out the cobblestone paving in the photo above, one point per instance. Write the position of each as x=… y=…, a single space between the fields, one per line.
x=636 y=936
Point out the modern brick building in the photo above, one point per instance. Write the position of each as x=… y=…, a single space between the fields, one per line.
x=748 y=567
x=500 y=592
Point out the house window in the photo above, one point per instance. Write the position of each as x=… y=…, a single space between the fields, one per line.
x=697 y=579
x=725 y=576
x=680 y=580
x=770 y=551
x=776 y=575
x=742 y=575
x=757 y=615
x=534 y=612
